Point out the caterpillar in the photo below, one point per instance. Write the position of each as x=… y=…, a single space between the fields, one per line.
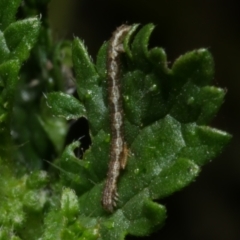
x=118 y=146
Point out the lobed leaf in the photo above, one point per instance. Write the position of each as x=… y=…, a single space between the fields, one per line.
x=164 y=115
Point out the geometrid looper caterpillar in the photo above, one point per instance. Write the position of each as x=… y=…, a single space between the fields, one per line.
x=118 y=147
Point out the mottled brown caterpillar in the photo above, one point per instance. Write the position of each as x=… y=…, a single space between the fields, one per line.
x=118 y=147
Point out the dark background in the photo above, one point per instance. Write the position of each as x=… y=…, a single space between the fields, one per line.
x=208 y=208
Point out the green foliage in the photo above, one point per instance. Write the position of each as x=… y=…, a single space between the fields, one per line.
x=21 y=204
x=165 y=115
x=7 y=12
x=39 y=135
x=16 y=40
x=64 y=105
x=166 y=111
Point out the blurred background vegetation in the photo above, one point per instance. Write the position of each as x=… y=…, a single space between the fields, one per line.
x=208 y=208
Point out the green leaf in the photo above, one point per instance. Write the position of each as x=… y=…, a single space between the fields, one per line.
x=5 y=234
x=128 y=39
x=140 y=46
x=4 y=51
x=101 y=63
x=37 y=179
x=9 y=79
x=165 y=112
x=26 y=199
x=61 y=224
x=16 y=41
x=85 y=69
x=21 y=36
x=8 y=9
x=204 y=143
x=195 y=66
x=211 y=99
x=69 y=203
x=56 y=129
x=89 y=88
x=65 y=106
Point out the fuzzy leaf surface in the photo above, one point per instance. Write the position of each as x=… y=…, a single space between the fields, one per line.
x=165 y=113
x=20 y=37
x=16 y=40
x=64 y=105
x=8 y=9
